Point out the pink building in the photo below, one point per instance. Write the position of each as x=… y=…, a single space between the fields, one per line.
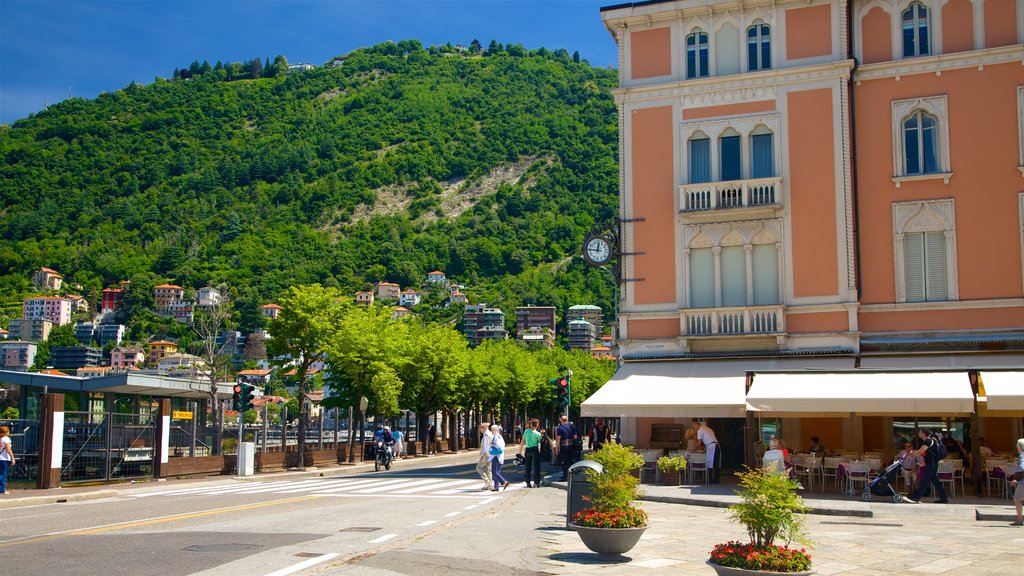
x=127 y=357
x=52 y=308
x=846 y=194
x=47 y=279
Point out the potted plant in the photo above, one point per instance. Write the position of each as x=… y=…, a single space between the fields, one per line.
x=669 y=469
x=613 y=525
x=770 y=510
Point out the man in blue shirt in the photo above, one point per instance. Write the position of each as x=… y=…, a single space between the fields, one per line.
x=566 y=435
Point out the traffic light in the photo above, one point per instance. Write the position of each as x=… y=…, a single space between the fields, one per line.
x=236 y=398
x=248 y=394
x=563 y=391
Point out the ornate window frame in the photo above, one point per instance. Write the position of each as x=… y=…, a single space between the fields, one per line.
x=938 y=107
x=924 y=216
x=745 y=233
x=745 y=125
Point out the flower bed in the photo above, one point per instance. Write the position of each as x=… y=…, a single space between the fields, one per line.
x=629 y=517
x=769 y=558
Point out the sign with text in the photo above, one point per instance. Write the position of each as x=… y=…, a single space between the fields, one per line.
x=181 y=415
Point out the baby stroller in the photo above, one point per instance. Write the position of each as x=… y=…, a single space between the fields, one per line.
x=882 y=485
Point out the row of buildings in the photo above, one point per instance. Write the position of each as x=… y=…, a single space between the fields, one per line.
x=819 y=184
x=538 y=324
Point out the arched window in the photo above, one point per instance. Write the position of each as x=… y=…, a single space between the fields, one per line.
x=700 y=158
x=762 y=153
x=915 y=31
x=920 y=144
x=730 y=161
x=759 y=47
x=697 y=54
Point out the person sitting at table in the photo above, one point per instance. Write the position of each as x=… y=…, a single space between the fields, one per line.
x=984 y=449
x=911 y=462
x=816 y=448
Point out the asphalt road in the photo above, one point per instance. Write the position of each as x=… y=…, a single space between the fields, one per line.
x=421 y=518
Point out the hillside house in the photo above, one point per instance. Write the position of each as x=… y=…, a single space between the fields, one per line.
x=160 y=349
x=93 y=371
x=409 y=298
x=399 y=312
x=78 y=303
x=113 y=300
x=436 y=277
x=127 y=357
x=271 y=311
x=364 y=298
x=17 y=354
x=388 y=291
x=36 y=330
x=208 y=297
x=47 y=279
x=52 y=308
x=458 y=298
x=255 y=377
x=166 y=294
x=182 y=310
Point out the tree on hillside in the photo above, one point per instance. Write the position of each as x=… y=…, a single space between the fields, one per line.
x=300 y=335
x=208 y=323
x=280 y=66
x=475 y=47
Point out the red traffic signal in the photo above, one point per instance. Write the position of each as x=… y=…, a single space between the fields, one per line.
x=562 y=383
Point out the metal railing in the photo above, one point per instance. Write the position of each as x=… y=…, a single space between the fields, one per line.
x=734 y=321
x=730 y=194
x=107 y=446
x=24 y=435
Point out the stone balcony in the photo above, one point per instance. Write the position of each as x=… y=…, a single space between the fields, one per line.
x=755 y=197
x=734 y=321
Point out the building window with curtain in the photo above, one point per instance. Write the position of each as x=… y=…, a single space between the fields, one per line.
x=697 y=54
x=915 y=31
x=700 y=158
x=762 y=153
x=730 y=160
x=759 y=47
x=920 y=144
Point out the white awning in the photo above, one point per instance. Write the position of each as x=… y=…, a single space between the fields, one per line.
x=689 y=388
x=862 y=393
x=1003 y=390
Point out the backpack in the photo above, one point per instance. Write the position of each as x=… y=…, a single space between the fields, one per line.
x=938 y=448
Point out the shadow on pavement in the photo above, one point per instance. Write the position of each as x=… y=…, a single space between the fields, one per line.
x=588 y=558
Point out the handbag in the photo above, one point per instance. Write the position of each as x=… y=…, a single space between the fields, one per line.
x=495 y=451
x=1018 y=475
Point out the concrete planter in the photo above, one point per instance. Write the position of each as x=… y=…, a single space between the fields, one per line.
x=668 y=478
x=728 y=571
x=609 y=541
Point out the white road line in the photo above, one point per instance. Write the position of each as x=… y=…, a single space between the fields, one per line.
x=290 y=486
x=303 y=565
x=488 y=500
x=361 y=485
x=427 y=523
x=183 y=491
x=391 y=487
x=445 y=487
x=471 y=506
x=450 y=514
x=382 y=539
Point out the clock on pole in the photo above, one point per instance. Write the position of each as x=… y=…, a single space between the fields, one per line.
x=597 y=250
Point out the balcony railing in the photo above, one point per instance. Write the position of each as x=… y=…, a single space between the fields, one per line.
x=744 y=320
x=731 y=194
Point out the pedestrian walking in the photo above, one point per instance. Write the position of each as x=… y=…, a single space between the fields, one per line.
x=6 y=457
x=483 y=466
x=431 y=434
x=545 y=447
x=931 y=452
x=598 y=435
x=707 y=437
x=399 y=443
x=566 y=436
x=531 y=444
x=496 y=454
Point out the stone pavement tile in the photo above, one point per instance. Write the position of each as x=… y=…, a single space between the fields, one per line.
x=940 y=566
x=830 y=568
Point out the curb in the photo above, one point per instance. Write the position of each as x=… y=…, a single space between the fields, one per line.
x=993 y=514
x=56 y=498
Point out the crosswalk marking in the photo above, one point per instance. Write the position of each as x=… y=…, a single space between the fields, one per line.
x=390 y=486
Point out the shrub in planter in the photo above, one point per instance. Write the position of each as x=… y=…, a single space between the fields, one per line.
x=613 y=491
x=669 y=468
x=769 y=509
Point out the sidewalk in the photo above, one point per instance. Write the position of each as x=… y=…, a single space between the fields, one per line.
x=830 y=503
x=34 y=497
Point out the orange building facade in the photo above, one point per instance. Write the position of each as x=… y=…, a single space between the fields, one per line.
x=819 y=184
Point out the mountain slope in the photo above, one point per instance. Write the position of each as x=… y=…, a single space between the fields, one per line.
x=497 y=164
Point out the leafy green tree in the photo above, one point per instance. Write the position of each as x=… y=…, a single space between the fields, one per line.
x=301 y=333
x=438 y=360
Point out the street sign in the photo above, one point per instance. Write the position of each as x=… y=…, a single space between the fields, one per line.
x=181 y=415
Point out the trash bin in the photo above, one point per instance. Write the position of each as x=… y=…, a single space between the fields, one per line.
x=580 y=488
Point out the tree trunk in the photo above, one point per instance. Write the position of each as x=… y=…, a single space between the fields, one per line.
x=301 y=436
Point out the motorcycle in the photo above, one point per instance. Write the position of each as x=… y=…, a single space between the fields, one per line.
x=383 y=455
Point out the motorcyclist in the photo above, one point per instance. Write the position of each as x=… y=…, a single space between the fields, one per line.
x=387 y=440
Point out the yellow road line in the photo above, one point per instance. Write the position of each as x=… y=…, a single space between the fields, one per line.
x=150 y=521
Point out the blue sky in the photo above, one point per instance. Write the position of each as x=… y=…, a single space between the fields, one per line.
x=51 y=48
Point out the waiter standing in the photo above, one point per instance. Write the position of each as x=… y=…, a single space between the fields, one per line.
x=714 y=456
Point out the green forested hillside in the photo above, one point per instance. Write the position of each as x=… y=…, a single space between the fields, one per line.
x=400 y=161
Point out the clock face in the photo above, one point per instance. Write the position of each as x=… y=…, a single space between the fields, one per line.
x=597 y=251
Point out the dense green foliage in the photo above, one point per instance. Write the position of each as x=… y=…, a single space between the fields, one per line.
x=271 y=182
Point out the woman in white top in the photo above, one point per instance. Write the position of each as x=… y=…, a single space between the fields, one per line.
x=1018 y=485
x=497 y=458
x=6 y=457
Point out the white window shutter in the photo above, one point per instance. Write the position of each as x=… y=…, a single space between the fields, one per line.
x=935 y=266
x=734 y=276
x=913 y=264
x=766 y=274
x=702 y=278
